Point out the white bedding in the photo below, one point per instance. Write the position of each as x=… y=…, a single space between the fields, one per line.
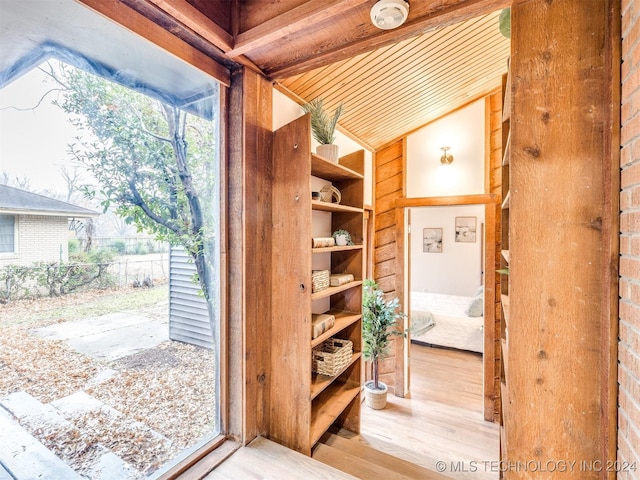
x=453 y=328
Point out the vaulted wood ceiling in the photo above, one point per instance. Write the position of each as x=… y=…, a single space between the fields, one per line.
x=448 y=53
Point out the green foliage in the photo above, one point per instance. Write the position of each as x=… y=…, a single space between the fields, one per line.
x=505 y=22
x=380 y=320
x=345 y=233
x=14 y=282
x=141 y=249
x=323 y=125
x=58 y=278
x=154 y=164
x=74 y=246
x=61 y=278
x=119 y=246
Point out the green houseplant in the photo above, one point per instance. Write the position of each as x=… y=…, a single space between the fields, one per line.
x=342 y=237
x=380 y=320
x=323 y=127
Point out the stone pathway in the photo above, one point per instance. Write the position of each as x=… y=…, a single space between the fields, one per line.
x=22 y=456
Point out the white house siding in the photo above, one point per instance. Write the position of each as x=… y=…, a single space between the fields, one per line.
x=188 y=314
x=38 y=239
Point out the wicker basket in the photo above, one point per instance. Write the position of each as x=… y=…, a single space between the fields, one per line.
x=319 y=280
x=331 y=356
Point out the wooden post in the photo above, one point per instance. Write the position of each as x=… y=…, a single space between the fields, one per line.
x=563 y=231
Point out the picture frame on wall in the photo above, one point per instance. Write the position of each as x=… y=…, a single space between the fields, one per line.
x=466 y=229
x=432 y=240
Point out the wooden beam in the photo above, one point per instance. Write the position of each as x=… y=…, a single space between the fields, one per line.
x=479 y=199
x=191 y=17
x=437 y=17
x=290 y=22
x=563 y=234
x=610 y=286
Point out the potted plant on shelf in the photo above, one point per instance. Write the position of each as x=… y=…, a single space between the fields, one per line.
x=380 y=320
x=342 y=238
x=323 y=127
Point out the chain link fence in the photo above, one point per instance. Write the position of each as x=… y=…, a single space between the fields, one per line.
x=54 y=279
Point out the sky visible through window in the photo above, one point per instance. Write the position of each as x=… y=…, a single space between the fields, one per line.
x=33 y=141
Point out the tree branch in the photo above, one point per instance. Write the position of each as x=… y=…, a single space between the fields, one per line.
x=139 y=201
x=149 y=132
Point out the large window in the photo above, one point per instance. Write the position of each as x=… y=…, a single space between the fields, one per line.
x=7 y=233
x=146 y=152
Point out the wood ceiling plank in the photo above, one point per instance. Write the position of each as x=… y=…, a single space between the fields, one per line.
x=439 y=17
x=419 y=90
x=452 y=53
x=423 y=112
x=382 y=137
x=292 y=21
x=348 y=74
x=368 y=74
x=462 y=63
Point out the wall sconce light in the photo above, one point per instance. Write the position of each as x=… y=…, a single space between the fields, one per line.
x=446 y=158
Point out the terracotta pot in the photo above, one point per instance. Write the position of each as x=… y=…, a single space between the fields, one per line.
x=376 y=399
x=328 y=152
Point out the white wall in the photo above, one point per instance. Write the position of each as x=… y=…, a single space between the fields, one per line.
x=463 y=131
x=458 y=269
x=286 y=110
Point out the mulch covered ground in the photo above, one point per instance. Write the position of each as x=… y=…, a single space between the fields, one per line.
x=166 y=390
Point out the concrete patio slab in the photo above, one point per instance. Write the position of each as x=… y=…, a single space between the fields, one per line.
x=109 y=337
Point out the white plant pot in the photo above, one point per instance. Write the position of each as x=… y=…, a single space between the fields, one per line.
x=328 y=152
x=376 y=399
x=341 y=240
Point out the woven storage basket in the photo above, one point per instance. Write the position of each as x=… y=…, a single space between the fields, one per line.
x=331 y=356
x=319 y=280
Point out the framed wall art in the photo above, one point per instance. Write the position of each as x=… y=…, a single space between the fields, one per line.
x=466 y=229
x=432 y=240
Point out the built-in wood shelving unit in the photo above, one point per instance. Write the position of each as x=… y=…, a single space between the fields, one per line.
x=505 y=309
x=345 y=248
x=507 y=151
x=506 y=258
x=343 y=320
x=333 y=207
x=320 y=382
x=506 y=200
x=304 y=404
x=330 y=291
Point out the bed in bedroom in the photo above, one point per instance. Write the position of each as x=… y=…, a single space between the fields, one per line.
x=443 y=320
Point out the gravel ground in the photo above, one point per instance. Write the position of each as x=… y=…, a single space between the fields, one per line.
x=169 y=388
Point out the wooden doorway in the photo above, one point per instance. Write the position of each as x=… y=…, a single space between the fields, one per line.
x=489 y=281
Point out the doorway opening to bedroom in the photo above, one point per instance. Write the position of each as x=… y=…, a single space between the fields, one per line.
x=446 y=256
x=446 y=265
x=446 y=269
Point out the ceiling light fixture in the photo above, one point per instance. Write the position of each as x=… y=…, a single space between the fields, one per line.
x=388 y=14
x=446 y=158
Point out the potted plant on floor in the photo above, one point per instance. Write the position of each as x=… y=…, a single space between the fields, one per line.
x=380 y=320
x=323 y=127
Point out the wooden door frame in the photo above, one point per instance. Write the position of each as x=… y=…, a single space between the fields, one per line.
x=490 y=201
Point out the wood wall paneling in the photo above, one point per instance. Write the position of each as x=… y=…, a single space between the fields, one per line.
x=389 y=164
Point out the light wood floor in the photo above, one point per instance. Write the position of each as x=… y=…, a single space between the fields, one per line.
x=443 y=419
x=441 y=422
